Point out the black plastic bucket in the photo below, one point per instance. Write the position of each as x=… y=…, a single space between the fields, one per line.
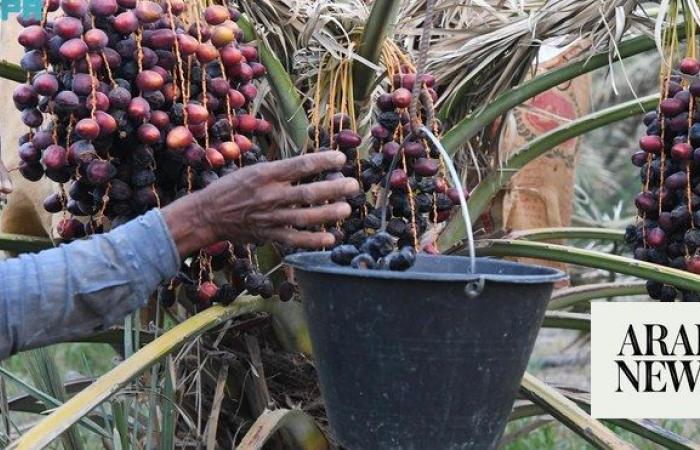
x=407 y=360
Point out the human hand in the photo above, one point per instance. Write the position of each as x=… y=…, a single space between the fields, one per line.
x=5 y=181
x=260 y=203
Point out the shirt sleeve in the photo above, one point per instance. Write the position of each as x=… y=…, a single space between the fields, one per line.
x=83 y=287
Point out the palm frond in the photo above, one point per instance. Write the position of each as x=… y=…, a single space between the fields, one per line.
x=479 y=49
x=46 y=377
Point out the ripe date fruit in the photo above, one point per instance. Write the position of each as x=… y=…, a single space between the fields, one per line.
x=344 y=254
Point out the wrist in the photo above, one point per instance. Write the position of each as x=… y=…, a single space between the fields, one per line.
x=187 y=225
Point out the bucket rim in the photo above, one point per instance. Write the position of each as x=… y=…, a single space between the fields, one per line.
x=312 y=262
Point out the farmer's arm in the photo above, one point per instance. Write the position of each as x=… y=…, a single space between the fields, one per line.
x=86 y=286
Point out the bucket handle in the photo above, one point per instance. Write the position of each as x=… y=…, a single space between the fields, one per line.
x=474 y=288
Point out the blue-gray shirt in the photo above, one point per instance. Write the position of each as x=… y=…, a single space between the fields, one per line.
x=84 y=287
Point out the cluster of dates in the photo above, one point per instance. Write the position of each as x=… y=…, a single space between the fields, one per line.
x=419 y=195
x=132 y=104
x=668 y=229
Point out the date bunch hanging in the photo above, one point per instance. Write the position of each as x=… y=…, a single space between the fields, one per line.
x=131 y=104
x=418 y=194
x=667 y=230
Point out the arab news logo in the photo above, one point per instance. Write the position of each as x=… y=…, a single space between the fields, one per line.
x=28 y=8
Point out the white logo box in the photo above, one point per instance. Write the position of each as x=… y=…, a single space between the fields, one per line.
x=651 y=385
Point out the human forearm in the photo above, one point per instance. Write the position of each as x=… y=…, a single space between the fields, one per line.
x=83 y=287
x=186 y=224
x=86 y=286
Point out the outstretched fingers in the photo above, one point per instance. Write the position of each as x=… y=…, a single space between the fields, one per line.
x=322 y=191
x=304 y=217
x=294 y=169
x=5 y=181
x=301 y=239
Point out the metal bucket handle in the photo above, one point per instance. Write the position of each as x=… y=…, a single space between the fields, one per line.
x=474 y=288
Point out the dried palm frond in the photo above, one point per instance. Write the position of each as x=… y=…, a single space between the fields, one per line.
x=280 y=23
x=301 y=32
x=330 y=34
x=479 y=49
x=314 y=40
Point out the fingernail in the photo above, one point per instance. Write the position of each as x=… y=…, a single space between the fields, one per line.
x=340 y=157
